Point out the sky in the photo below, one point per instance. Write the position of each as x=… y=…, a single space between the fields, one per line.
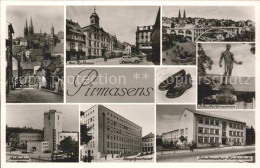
x=121 y=21
x=142 y=115
x=240 y=51
x=168 y=115
x=33 y=116
x=214 y=12
x=42 y=16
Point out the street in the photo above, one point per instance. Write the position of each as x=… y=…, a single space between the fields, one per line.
x=32 y=95
x=115 y=61
x=188 y=156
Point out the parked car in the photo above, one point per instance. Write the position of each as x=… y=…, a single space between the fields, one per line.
x=129 y=59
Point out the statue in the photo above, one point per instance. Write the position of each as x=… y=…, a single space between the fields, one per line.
x=228 y=59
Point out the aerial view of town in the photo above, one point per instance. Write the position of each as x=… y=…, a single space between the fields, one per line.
x=183 y=26
x=104 y=35
x=34 y=54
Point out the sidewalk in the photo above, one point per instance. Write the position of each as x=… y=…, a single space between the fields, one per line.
x=203 y=150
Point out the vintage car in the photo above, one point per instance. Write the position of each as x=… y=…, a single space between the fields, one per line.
x=129 y=59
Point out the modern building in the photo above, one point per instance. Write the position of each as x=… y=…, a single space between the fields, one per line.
x=98 y=41
x=148 y=143
x=111 y=133
x=21 y=139
x=75 y=42
x=37 y=146
x=204 y=128
x=74 y=135
x=52 y=127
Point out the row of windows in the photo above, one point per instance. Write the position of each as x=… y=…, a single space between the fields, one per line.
x=101 y=38
x=208 y=121
x=236 y=125
x=122 y=146
x=122 y=128
x=202 y=130
x=124 y=133
x=147 y=144
x=148 y=140
x=76 y=37
x=29 y=136
x=236 y=133
x=202 y=139
x=73 y=46
x=124 y=139
x=235 y=140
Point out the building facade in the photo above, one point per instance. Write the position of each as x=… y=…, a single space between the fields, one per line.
x=75 y=42
x=21 y=139
x=98 y=42
x=111 y=133
x=74 y=135
x=148 y=143
x=144 y=40
x=204 y=128
x=37 y=146
x=52 y=127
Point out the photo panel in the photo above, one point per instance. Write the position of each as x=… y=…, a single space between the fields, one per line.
x=184 y=134
x=183 y=26
x=113 y=35
x=42 y=133
x=34 y=54
x=117 y=133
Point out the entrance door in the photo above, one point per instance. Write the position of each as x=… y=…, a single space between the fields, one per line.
x=224 y=141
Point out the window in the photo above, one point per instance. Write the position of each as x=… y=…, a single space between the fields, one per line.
x=207 y=121
x=201 y=120
x=200 y=130
x=217 y=140
x=216 y=131
x=231 y=125
x=72 y=46
x=206 y=139
x=79 y=47
x=242 y=134
x=200 y=139
x=234 y=133
x=217 y=122
x=211 y=139
x=230 y=133
x=211 y=131
x=206 y=130
x=211 y=121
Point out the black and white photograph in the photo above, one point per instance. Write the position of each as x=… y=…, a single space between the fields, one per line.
x=226 y=75
x=42 y=133
x=113 y=35
x=176 y=85
x=183 y=26
x=184 y=134
x=34 y=54
x=117 y=133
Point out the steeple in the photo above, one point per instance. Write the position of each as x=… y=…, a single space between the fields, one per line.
x=184 y=14
x=94 y=19
x=52 y=30
x=25 y=33
x=31 y=29
x=179 y=16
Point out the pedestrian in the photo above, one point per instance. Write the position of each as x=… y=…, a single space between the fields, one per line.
x=105 y=156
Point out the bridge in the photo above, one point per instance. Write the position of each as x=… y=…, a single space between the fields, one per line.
x=196 y=33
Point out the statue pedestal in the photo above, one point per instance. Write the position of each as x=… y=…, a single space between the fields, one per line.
x=226 y=96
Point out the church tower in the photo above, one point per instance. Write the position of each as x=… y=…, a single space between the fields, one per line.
x=52 y=30
x=25 y=33
x=94 y=19
x=184 y=17
x=31 y=29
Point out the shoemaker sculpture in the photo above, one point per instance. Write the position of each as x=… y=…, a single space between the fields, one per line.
x=176 y=84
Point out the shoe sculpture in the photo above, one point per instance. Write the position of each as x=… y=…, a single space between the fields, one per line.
x=180 y=87
x=171 y=80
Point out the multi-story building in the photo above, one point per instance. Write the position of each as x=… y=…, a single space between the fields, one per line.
x=75 y=42
x=98 y=41
x=144 y=40
x=62 y=135
x=111 y=133
x=21 y=139
x=204 y=128
x=52 y=127
x=148 y=143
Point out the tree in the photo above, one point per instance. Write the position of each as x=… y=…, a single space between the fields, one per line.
x=84 y=135
x=182 y=139
x=70 y=148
